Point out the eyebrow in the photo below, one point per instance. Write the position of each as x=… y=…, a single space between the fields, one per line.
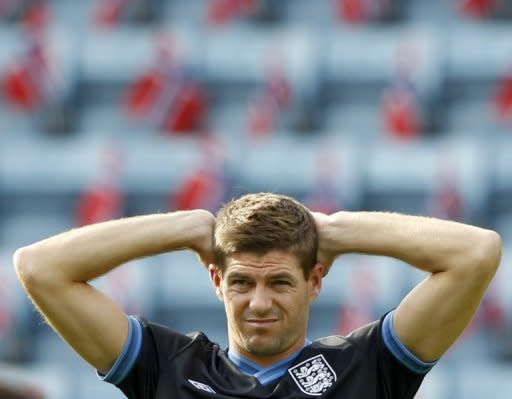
x=244 y=275
x=237 y=275
x=282 y=275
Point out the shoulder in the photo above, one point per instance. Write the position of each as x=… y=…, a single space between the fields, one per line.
x=168 y=342
x=364 y=335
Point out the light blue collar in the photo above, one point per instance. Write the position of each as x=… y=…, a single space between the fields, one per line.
x=264 y=374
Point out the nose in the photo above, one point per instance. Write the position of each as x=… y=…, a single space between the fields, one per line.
x=261 y=301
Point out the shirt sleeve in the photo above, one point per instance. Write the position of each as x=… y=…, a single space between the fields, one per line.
x=400 y=371
x=126 y=360
x=399 y=351
x=148 y=346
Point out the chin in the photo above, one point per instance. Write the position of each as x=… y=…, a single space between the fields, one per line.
x=264 y=346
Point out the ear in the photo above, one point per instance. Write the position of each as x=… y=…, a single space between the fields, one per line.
x=216 y=277
x=315 y=281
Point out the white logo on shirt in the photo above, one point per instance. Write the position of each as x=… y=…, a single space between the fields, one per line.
x=313 y=376
x=203 y=387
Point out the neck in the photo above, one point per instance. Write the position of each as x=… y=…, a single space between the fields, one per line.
x=267 y=360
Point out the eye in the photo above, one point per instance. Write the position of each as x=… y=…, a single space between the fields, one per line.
x=282 y=282
x=240 y=282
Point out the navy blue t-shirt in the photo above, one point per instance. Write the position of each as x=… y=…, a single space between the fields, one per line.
x=370 y=363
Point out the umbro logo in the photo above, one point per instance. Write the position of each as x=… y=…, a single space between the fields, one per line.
x=201 y=386
x=313 y=376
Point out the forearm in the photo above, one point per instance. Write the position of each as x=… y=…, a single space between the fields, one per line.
x=430 y=244
x=88 y=252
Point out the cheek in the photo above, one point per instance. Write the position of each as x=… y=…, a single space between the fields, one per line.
x=234 y=305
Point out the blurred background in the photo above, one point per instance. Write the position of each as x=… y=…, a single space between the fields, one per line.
x=116 y=108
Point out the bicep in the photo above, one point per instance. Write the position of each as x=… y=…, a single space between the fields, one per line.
x=90 y=322
x=436 y=312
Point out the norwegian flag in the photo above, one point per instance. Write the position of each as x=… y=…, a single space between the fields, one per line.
x=268 y=103
x=102 y=200
x=352 y=11
x=143 y=95
x=163 y=96
x=24 y=82
x=37 y=15
x=359 y=310
x=108 y=13
x=400 y=112
x=477 y=8
x=222 y=12
x=144 y=92
x=360 y=11
x=20 y=89
x=502 y=100
x=279 y=88
x=98 y=203
x=324 y=197
x=261 y=117
x=187 y=109
x=205 y=187
x=400 y=108
x=446 y=202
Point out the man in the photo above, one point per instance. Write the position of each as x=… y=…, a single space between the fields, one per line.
x=266 y=255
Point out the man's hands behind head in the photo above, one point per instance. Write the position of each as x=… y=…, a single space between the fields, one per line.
x=203 y=243
x=326 y=253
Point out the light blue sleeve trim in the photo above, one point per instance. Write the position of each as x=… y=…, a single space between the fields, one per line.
x=128 y=356
x=399 y=351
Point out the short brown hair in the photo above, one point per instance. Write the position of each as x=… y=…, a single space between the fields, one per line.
x=259 y=223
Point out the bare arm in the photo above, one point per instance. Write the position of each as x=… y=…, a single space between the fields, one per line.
x=55 y=273
x=462 y=260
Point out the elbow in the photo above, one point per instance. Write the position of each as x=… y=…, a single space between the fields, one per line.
x=30 y=268
x=488 y=252
x=23 y=260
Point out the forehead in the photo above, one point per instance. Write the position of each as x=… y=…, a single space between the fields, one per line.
x=272 y=261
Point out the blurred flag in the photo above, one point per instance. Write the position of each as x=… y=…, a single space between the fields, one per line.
x=37 y=15
x=324 y=197
x=98 y=203
x=221 y=12
x=359 y=309
x=446 y=202
x=143 y=93
x=476 y=8
x=400 y=112
x=108 y=13
x=103 y=200
x=163 y=96
x=352 y=11
x=502 y=100
x=261 y=117
x=204 y=187
x=187 y=110
x=25 y=81
x=361 y=11
x=400 y=103
x=269 y=102
x=32 y=15
x=20 y=89
x=494 y=315
x=6 y=309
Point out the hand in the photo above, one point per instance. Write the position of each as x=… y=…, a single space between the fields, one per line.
x=204 y=243
x=325 y=255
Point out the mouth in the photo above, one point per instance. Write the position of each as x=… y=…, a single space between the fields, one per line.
x=261 y=322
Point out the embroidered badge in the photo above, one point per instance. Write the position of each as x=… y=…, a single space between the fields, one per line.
x=203 y=387
x=313 y=376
